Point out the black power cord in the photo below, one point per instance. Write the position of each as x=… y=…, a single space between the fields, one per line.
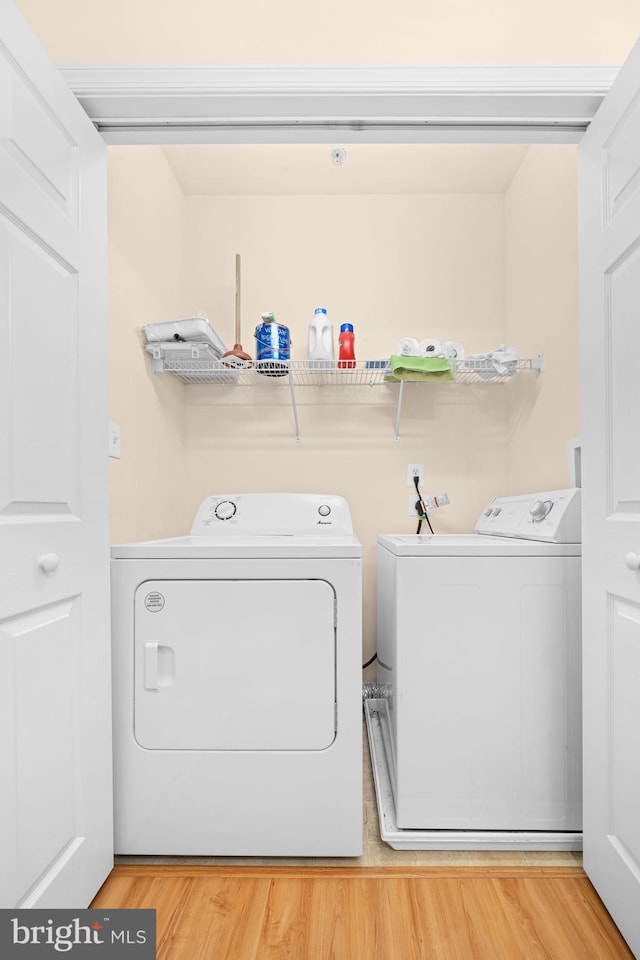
x=422 y=515
x=421 y=508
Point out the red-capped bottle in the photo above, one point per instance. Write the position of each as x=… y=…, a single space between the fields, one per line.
x=346 y=342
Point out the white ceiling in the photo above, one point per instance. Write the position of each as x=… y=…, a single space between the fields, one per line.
x=367 y=168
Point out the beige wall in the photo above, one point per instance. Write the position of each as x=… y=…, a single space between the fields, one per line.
x=482 y=269
x=542 y=316
x=393 y=266
x=146 y=285
x=361 y=31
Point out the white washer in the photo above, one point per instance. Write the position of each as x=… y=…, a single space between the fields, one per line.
x=479 y=741
x=237 y=682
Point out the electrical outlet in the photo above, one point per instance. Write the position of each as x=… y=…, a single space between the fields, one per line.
x=414 y=470
x=114 y=440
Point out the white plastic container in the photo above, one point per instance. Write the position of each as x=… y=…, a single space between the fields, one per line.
x=320 y=337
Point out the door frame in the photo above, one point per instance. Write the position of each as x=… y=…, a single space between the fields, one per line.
x=320 y=103
x=297 y=103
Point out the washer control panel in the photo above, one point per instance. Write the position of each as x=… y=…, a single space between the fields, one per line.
x=551 y=516
x=273 y=514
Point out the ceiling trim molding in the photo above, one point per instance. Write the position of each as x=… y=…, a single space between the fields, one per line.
x=240 y=103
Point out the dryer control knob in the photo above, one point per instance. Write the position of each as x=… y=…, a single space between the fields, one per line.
x=488 y=512
x=225 y=509
x=539 y=509
x=496 y=511
x=324 y=510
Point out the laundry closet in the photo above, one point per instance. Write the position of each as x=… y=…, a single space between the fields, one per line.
x=471 y=243
x=482 y=256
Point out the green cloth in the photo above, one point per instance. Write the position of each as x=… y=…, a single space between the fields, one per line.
x=421 y=368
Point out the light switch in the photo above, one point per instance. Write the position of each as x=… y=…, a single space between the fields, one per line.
x=114 y=440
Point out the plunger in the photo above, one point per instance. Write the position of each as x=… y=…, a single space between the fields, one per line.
x=237 y=357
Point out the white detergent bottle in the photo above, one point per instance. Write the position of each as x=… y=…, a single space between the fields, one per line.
x=320 y=337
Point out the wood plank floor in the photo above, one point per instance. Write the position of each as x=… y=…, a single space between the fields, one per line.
x=354 y=913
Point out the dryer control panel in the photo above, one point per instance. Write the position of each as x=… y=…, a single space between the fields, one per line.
x=273 y=514
x=551 y=516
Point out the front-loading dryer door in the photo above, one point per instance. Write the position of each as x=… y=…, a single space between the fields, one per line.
x=235 y=665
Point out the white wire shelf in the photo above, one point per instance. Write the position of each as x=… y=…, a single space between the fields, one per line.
x=197 y=363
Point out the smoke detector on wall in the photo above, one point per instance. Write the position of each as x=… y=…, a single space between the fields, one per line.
x=338 y=155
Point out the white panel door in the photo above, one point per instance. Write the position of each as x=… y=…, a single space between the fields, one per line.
x=235 y=665
x=55 y=745
x=609 y=206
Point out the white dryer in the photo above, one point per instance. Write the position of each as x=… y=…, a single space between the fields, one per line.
x=479 y=643
x=237 y=682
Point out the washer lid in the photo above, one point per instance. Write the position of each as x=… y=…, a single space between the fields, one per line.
x=239 y=547
x=471 y=545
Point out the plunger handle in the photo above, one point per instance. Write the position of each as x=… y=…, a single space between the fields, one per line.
x=237 y=298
